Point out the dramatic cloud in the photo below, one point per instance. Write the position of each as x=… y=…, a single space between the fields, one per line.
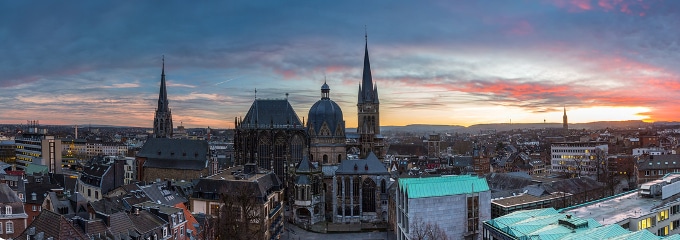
x=443 y=62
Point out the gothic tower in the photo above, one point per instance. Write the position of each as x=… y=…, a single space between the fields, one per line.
x=162 y=123
x=565 y=126
x=368 y=124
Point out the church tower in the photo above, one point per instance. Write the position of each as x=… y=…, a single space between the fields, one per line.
x=162 y=123
x=565 y=125
x=368 y=124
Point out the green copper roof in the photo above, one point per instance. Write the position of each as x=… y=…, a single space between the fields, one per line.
x=35 y=168
x=442 y=186
x=548 y=223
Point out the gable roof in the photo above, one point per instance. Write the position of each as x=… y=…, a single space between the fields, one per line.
x=277 y=113
x=369 y=166
x=53 y=225
x=175 y=149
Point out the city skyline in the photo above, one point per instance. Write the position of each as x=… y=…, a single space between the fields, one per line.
x=438 y=62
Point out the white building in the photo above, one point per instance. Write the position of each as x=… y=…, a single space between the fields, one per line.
x=578 y=158
x=457 y=205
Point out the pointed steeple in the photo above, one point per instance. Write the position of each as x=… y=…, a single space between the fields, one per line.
x=163 y=94
x=162 y=122
x=367 y=79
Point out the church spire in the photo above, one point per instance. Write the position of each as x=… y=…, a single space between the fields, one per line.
x=367 y=79
x=163 y=94
x=565 y=125
x=162 y=122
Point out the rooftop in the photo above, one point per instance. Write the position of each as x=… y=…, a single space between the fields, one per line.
x=548 y=223
x=442 y=186
x=236 y=174
x=617 y=208
x=527 y=198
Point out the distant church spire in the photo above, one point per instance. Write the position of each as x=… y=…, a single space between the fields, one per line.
x=565 y=125
x=162 y=123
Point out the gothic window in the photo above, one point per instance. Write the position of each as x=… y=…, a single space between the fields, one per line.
x=325 y=158
x=324 y=130
x=296 y=146
x=339 y=158
x=356 y=187
x=368 y=196
x=264 y=151
x=279 y=155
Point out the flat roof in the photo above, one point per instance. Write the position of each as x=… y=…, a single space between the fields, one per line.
x=617 y=209
x=527 y=198
x=232 y=173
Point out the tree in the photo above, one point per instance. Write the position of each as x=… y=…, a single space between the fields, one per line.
x=241 y=215
x=422 y=231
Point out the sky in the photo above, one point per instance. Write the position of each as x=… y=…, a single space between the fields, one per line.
x=434 y=62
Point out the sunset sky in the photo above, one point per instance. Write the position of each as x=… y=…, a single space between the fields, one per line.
x=435 y=62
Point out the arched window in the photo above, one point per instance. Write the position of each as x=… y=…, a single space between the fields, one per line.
x=264 y=152
x=325 y=158
x=368 y=195
x=339 y=158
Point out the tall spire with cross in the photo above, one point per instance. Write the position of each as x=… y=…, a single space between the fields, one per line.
x=368 y=110
x=162 y=123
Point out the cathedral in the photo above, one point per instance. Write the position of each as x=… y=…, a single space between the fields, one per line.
x=272 y=136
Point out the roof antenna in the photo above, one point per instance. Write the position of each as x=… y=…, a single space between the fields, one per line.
x=255 y=93
x=286 y=96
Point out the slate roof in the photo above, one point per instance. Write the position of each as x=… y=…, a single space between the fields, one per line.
x=119 y=223
x=175 y=153
x=211 y=188
x=39 y=189
x=326 y=111
x=50 y=224
x=302 y=180
x=265 y=112
x=670 y=161
x=442 y=186
x=305 y=166
x=175 y=149
x=369 y=166
x=146 y=222
x=162 y=194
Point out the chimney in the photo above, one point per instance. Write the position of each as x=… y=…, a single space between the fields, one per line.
x=137 y=211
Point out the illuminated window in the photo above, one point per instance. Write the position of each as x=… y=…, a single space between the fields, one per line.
x=663 y=215
x=645 y=223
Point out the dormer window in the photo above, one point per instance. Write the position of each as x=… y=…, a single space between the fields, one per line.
x=8 y=209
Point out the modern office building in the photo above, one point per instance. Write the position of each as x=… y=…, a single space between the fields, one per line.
x=577 y=159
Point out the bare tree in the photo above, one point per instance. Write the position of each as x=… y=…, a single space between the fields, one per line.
x=241 y=216
x=426 y=231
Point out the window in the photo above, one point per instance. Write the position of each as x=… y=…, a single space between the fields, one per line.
x=96 y=194
x=8 y=209
x=89 y=192
x=662 y=215
x=662 y=231
x=165 y=231
x=645 y=223
x=9 y=227
x=34 y=208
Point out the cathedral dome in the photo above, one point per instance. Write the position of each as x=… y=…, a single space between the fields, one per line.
x=325 y=111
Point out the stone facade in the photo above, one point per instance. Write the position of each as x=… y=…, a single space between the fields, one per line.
x=153 y=174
